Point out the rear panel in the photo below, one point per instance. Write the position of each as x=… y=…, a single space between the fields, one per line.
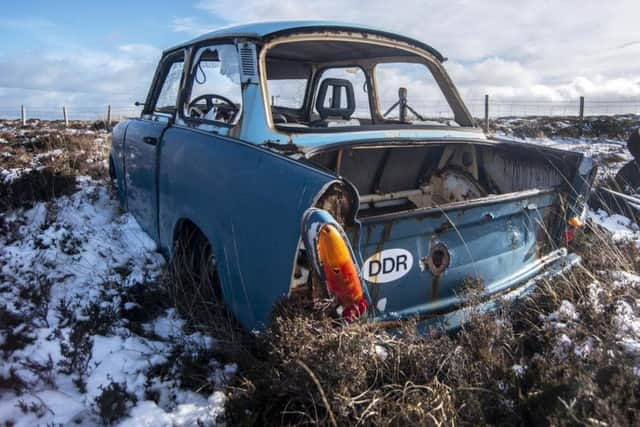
x=421 y=263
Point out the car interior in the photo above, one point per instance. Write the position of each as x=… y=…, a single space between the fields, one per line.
x=334 y=87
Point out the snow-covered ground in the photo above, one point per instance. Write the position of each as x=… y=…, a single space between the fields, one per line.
x=88 y=256
x=86 y=332
x=610 y=154
x=626 y=308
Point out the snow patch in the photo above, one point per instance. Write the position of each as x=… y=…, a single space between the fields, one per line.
x=566 y=311
x=620 y=227
x=84 y=254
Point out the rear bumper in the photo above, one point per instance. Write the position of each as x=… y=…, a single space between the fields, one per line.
x=553 y=265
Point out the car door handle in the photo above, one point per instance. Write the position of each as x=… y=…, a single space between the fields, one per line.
x=150 y=140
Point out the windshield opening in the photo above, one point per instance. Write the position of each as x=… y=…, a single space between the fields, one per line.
x=408 y=93
x=313 y=85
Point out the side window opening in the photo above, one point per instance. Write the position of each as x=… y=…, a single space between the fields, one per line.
x=168 y=96
x=215 y=87
x=287 y=93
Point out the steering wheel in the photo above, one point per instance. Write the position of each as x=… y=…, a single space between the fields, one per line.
x=208 y=99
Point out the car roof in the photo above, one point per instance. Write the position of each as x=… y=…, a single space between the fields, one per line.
x=261 y=30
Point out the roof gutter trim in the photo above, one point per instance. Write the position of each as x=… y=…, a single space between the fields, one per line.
x=382 y=33
x=306 y=29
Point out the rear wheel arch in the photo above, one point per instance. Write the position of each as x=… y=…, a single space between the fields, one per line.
x=189 y=239
x=117 y=184
x=182 y=228
x=112 y=169
x=201 y=301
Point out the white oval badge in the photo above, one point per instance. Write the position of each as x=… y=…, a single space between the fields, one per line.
x=387 y=266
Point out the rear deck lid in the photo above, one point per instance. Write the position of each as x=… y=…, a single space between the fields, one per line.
x=422 y=262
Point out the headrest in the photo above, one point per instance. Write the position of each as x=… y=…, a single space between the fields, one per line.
x=336 y=97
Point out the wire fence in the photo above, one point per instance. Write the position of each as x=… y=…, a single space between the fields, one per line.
x=100 y=112
x=497 y=108
x=518 y=108
x=523 y=108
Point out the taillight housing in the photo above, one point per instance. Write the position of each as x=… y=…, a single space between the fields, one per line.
x=330 y=251
x=572 y=225
x=340 y=271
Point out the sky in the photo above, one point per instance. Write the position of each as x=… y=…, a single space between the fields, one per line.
x=85 y=54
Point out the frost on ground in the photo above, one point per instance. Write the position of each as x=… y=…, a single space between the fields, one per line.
x=603 y=138
x=605 y=141
x=85 y=331
x=621 y=228
x=88 y=336
x=625 y=311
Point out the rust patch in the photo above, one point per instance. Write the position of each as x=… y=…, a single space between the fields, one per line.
x=439 y=258
x=374 y=287
x=336 y=202
x=435 y=287
x=386 y=233
x=445 y=226
x=437 y=262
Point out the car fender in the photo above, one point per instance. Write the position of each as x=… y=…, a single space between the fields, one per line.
x=248 y=201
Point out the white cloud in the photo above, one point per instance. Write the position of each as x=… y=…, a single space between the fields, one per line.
x=518 y=49
x=57 y=69
x=79 y=71
x=492 y=71
x=190 y=25
x=540 y=49
x=28 y=24
x=78 y=77
x=142 y=51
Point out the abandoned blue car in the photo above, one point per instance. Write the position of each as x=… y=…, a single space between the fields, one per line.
x=318 y=160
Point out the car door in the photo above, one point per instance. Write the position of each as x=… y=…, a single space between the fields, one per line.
x=142 y=143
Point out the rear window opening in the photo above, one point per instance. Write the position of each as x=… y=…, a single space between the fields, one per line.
x=395 y=178
x=413 y=85
x=345 y=85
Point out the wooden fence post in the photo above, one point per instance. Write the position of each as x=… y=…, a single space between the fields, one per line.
x=486 y=114
x=66 y=117
x=581 y=116
x=23 y=115
x=108 y=124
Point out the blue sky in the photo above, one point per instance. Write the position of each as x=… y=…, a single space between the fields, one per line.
x=84 y=53
x=39 y=25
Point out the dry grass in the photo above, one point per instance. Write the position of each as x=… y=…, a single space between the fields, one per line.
x=192 y=286
x=311 y=371
x=512 y=369
x=612 y=127
x=46 y=163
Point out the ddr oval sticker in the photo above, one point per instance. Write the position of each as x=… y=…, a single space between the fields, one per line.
x=387 y=266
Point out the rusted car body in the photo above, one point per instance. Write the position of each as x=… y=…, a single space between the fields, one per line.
x=310 y=157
